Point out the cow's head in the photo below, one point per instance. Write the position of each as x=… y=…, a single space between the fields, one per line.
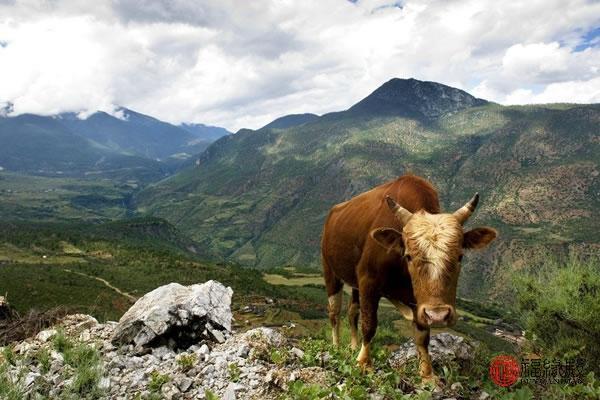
x=433 y=247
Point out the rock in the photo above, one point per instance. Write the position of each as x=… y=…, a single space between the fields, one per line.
x=443 y=346
x=230 y=392
x=203 y=350
x=44 y=336
x=23 y=347
x=220 y=363
x=217 y=335
x=78 y=322
x=85 y=336
x=265 y=336
x=483 y=396
x=209 y=369
x=162 y=352
x=296 y=352
x=177 y=313
x=456 y=386
x=183 y=383
x=243 y=351
x=104 y=383
x=55 y=355
x=30 y=378
x=170 y=392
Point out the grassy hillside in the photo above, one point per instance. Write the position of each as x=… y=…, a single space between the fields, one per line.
x=63 y=264
x=260 y=197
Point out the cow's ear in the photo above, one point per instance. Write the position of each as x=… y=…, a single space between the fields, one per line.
x=388 y=238
x=478 y=238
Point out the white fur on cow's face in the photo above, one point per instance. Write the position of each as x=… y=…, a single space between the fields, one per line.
x=434 y=241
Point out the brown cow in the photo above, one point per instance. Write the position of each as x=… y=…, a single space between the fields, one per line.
x=394 y=242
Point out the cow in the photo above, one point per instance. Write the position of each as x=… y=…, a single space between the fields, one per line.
x=393 y=241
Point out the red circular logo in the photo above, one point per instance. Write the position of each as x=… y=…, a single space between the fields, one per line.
x=505 y=370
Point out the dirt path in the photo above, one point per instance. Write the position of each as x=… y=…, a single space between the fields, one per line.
x=107 y=283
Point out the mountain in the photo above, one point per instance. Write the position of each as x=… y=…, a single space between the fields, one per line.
x=205 y=132
x=415 y=99
x=288 y=121
x=129 y=144
x=45 y=146
x=204 y=135
x=260 y=197
x=132 y=133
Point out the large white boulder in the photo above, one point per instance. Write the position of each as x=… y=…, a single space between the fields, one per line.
x=177 y=316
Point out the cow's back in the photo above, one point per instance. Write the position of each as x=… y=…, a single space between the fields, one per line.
x=346 y=230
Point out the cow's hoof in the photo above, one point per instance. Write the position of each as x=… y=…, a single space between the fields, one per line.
x=365 y=365
x=431 y=380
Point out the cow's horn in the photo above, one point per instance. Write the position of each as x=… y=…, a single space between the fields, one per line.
x=463 y=213
x=401 y=213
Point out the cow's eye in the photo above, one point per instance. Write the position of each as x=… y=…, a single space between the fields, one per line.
x=408 y=257
x=460 y=258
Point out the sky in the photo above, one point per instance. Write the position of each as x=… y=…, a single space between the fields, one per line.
x=241 y=64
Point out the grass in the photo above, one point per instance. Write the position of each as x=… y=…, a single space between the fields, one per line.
x=8 y=389
x=84 y=370
x=347 y=381
x=234 y=372
x=157 y=380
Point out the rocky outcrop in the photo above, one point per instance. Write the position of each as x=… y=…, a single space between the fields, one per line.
x=141 y=357
x=177 y=316
x=239 y=368
x=442 y=347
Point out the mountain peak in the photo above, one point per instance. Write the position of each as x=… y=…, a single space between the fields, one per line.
x=415 y=98
x=288 y=121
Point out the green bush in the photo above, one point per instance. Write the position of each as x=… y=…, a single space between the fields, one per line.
x=187 y=361
x=157 y=380
x=560 y=309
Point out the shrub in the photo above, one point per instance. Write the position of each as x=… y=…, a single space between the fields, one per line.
x=43 y=358
x=560 y=309
x=234 y=372
x=186 y=361
x=85 y=361
x=61 y=342
x=157 y=380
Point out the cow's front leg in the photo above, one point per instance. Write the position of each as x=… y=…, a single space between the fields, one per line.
x=369 y=302
x=421 y=336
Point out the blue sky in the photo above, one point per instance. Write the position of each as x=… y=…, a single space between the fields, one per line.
x=242 y=64
x=590 y=39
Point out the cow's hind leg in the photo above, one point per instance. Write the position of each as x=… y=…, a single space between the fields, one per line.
x=334 y=298
x=369 y=303
x=353 y=313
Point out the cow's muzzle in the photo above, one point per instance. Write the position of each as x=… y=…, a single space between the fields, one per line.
x=438 y=316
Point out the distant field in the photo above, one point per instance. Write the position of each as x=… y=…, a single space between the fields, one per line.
x=305 y=279
x=27 y=197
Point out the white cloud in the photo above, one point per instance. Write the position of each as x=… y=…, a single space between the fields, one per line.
x=562 y=92
x=237 y=65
